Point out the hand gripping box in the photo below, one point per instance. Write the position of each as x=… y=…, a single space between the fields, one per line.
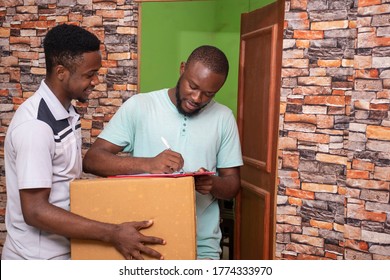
x=169 y=202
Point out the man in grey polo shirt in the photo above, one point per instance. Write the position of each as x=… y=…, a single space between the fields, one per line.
x=43 y=154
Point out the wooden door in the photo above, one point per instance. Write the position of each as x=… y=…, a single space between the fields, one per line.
x=258 y=115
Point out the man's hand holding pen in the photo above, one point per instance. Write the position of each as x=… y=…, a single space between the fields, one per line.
x=167 y=162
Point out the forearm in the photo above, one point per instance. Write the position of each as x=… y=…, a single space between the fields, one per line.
x=102 y=159
x=115 y=165
x=56 y=220
x=225 y=187
x=126 y=238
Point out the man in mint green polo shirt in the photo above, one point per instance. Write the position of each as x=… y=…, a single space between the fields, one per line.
x=202 y=135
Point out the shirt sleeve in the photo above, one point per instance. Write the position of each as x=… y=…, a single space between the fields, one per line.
x=120 y=129
x=229 y=154
x=33 y=143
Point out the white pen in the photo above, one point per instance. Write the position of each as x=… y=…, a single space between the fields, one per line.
x=169 y=147
x=165 y=143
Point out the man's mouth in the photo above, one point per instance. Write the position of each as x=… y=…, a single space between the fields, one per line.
x=191 y=105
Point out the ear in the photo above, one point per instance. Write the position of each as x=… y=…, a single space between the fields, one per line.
x=182 y=67
x=60 y=72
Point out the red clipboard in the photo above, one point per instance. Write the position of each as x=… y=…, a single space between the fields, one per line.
x=162 y=175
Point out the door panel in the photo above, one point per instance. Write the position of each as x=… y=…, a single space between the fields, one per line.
x=254 y=227
x=258 y=110
x=256 y=150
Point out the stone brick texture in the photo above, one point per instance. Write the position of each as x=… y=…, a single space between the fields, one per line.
x=334 y=148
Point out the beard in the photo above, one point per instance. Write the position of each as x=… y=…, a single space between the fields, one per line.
x=85 y=96
x=82 y=100
x=179 y=103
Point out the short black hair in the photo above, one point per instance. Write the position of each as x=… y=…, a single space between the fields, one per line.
x=65 y=43
x=212 y=57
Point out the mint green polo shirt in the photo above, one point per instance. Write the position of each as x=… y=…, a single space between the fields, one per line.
x=209 y=139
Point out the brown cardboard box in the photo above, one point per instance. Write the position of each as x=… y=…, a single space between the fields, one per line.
x=169 y=202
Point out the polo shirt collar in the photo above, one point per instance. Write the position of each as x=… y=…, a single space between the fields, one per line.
x=55 y=106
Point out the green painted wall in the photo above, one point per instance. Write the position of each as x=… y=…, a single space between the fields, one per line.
x=169 y=33
x=255 y=4
x=171 y=30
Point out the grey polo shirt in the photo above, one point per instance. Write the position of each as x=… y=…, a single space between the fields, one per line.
x=42 y=150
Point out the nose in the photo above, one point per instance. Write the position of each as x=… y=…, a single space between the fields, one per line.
x=95 y=80
x=197 y=96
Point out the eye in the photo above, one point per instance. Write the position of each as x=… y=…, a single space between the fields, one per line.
x=209 y=94
x=90 y=75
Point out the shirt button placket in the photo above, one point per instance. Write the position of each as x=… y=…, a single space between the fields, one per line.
x=184 y=127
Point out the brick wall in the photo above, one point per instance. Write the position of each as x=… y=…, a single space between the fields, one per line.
x=22 y=66
x=334 y=150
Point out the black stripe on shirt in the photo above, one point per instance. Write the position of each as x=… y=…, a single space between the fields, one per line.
x=45 y=115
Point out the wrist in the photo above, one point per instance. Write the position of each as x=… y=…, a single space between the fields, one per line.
x=143 y=166
x=108 y=236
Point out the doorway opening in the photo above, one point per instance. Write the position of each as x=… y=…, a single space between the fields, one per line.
x=227 y=228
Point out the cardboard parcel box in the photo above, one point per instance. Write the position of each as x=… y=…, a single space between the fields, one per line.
x=169 y=202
